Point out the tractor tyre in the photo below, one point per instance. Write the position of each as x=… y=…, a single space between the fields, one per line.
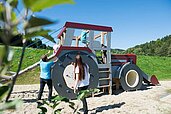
x=131 y=77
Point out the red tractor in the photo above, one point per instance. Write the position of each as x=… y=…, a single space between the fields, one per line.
x=105 y=69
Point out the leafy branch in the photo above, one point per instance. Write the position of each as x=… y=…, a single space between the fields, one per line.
x=30 y=27
x=57 y=100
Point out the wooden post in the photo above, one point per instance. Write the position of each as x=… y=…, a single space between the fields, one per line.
x=77 y=41
x=91 y=39
x=108 y=39
x=102 y=38
x=61 y=40
x=68 y=36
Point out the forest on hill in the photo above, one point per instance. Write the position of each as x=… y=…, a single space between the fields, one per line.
x=160 y=47
x=33 y=43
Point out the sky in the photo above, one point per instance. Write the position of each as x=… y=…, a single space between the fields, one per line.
x=133 y=21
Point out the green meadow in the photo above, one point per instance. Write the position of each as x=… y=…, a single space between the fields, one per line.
x=159 y=66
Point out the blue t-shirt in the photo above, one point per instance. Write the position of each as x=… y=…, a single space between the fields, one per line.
x=45 y=68
x=84 y=37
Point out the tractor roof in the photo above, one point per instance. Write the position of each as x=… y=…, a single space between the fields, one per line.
x=85 y=26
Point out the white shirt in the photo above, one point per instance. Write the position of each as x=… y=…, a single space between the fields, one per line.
x=85 y=81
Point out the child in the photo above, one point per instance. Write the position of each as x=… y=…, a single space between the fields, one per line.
x=84 y=37
x=81 y=79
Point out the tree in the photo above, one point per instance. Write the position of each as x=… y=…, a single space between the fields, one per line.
x=31 y=27
x=160 y=47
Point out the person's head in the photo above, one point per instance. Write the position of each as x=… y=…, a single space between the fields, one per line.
x=78 y=59
x=44 y=58
x=80 y=64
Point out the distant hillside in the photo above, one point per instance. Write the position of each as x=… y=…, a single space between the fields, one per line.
x=117 y=51
x=160 y=47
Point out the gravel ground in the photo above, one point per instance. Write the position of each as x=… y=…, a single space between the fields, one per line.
x=148 y=100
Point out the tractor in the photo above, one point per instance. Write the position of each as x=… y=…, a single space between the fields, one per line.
x=106 y=70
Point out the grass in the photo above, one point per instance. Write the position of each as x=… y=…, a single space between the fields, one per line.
x=159 y=66
x=31 y=56
x=31 y=77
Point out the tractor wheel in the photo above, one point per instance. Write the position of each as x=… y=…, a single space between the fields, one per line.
x=131 y=77
x=63 y=71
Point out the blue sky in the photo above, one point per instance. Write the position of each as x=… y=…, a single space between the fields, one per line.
x=133 y=21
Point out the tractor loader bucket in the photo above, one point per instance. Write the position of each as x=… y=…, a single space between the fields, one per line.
x=150 y=79
x=154 y=80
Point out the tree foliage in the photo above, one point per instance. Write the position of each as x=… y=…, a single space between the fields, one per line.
x=31 y=26
x=160 y=47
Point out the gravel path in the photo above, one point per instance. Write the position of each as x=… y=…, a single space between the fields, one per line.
x=148 y=100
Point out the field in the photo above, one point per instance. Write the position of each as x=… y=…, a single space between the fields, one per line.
x=31 y=56
x=160 y=66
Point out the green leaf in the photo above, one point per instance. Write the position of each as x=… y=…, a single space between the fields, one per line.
x=3 y=91
x=2 y=16
x=35 y=21
x=85 y=93
x=13 y=16
x=49 y=37
x=1 y=8
x=82 y=95
x=11 y=105
x=60 y=98
x=55 y=104
x=43 y=109
x=36 y=33
x=13 y=3
x=39 y=5
x=58 y=111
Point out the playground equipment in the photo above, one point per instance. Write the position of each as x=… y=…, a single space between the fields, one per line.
x=106 y=70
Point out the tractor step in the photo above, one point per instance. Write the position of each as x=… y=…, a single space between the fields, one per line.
x=103 y=86
x=104 y=79
x=106 y=71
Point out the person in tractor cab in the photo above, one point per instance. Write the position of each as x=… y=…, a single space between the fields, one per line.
x=45 y=75
x=84 y=37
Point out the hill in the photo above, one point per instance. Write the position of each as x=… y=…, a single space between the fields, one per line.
x=31 y=56
x=160 y=47
x=117 y=51
x=160 y=66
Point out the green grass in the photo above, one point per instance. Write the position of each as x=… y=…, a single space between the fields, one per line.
x=31 y=56
x=159 y=66
x=31 y=77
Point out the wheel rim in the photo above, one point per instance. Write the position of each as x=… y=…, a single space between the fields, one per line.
x=132 y=78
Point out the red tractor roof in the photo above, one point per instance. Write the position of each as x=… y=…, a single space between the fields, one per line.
x=84 y=26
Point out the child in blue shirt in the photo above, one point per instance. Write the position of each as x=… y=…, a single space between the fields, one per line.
x=45 y=76
x=84 y=35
